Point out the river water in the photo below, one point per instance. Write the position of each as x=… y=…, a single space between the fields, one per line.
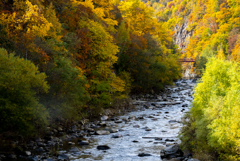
x=147 y=130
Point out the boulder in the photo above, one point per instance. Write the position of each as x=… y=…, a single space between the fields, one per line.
x=172 y=151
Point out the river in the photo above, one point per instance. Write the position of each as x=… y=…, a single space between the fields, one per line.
x=153 y=127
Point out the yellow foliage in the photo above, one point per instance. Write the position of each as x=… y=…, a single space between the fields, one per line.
x=236 y=53
x=117 y=84
x=221 y=55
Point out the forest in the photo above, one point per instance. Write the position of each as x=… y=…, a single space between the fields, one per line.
x=70 y=59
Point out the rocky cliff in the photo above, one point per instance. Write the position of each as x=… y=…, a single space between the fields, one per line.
x=182 y=35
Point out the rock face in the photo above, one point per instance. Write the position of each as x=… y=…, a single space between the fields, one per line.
x=182 y=35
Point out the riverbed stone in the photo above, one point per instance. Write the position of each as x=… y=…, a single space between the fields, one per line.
x=63 y=157
x=171 y=152
x=192 y=159
x=102 y=132
x=148 y=129
x=151 y=117
x=103 y=147
x=135 y=141
x=118 y=121
x=27 y=153
x=83 y=143
x=117 y=136
x=103 y=124
x=111 y=130
x=136 y=126
x=104 y=118
x=71 y=143
x=132 y=117
x=144 y=154
x=40 y=149
x=140 y=117
x=170 y=140
x=74 y=149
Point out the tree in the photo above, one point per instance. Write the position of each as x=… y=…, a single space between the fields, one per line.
x=20 y=83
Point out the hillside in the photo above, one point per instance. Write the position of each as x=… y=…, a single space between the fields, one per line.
x=71 y=59
x=202 y=28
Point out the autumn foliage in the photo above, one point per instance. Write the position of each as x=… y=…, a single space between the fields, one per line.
x=93 y=53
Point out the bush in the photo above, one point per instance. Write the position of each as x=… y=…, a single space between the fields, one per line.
x=20 y=82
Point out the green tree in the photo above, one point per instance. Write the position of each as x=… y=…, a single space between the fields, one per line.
x=20 y=82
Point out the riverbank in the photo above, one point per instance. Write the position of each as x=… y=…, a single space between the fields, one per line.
x=148 y=127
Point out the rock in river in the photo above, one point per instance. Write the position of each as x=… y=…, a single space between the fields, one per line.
x=136 y=126
x=74 y=149
x=104 y=118
x=143 y=154
x=118 y=121
x=102 y=132
x=171 y=152
x=83 y=143
x=63 y=157
x=117 y=136
x=103 y=147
